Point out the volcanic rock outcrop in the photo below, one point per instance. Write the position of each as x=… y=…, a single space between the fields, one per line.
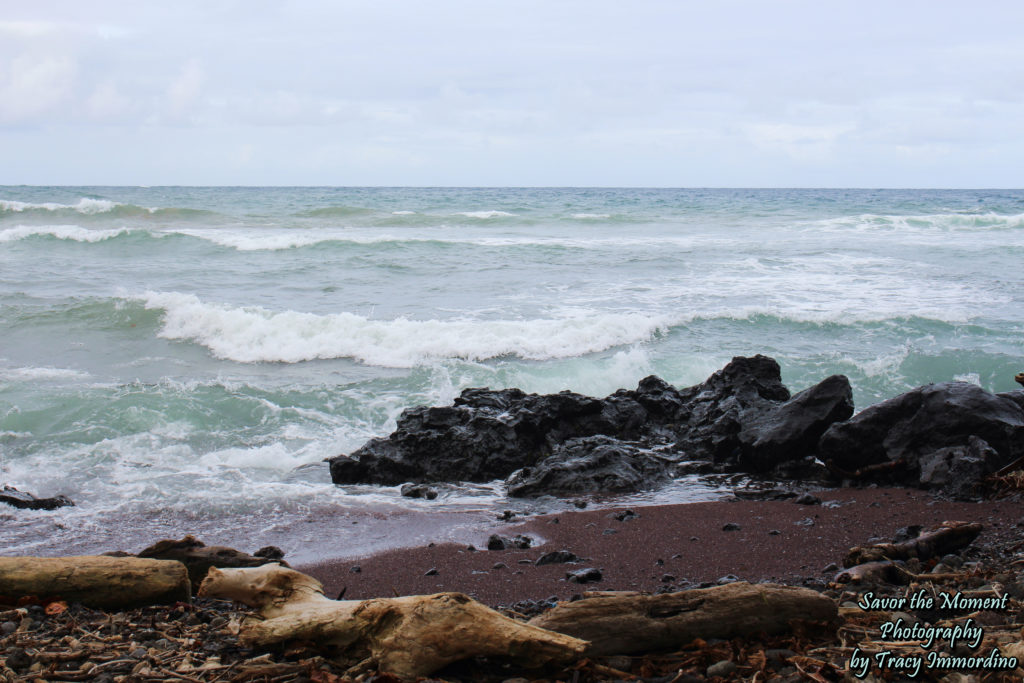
x=945 y=437
x=568 y=443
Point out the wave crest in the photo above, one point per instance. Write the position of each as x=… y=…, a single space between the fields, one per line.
x=253 y=334
x=72 y=233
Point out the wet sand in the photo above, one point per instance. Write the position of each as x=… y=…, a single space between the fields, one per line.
x=667 y=545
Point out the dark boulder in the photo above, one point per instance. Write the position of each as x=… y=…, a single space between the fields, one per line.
x=793 y=428
x=485 y=435
x=958 y=470
x=913 y=429
x=717 y=410
x=589 y=464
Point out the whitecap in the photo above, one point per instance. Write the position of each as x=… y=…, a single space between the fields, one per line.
x=74 y=233
x=84 y=205
x=254 y=334
x=42 y=373
x=484 y=214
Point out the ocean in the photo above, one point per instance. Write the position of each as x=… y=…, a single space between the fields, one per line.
x=179 y=359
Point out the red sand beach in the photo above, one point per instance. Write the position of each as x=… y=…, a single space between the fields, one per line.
x=665 y=545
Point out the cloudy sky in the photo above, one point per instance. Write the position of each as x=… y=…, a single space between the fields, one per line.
x=502 y=92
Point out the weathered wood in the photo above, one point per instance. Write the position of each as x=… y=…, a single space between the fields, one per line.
x=642 y=623
x=408 y=636
x=883 y=571
x=948 y=538
x=94 y=580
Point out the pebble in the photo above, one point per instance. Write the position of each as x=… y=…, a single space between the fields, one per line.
x=831 y=567
x=431 y=572
x=774 y=532
x=588 y=575
x=667 y=578
x=16 y=658
x=609 y=532
x=728 y=578
x=778 y=654
x=954 y=561
x=806 y=521
x=807 y=499
x=557 y=557
x=500 y=565
x=723 y=668
x=139 y=653
x=731 y=526
x=8 y=627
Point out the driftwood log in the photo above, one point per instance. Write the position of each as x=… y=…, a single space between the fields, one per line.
x=948 y=538
x=632 y=623
x=94 y=580
x=408 y=636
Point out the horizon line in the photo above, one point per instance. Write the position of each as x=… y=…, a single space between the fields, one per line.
x=524 y=187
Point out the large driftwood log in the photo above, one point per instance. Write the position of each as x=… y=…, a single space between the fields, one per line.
x=640 y=623
x=94 y=580
x=948 y=538
x=409 y=636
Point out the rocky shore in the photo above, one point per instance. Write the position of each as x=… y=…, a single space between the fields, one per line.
x=940 y=459
x=545 y=560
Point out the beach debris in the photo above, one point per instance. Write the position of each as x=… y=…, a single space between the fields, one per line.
x=884 y=562
x=198 y=557
x=947 y=538
x=407 y=636
x=630 y=623
x=26 y=501
x=93 y=580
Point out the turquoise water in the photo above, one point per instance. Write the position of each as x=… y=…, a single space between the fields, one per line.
x=203 y=349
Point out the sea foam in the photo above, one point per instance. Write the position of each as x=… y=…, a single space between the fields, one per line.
x=255 y=334
x=84 y=205
x=72 y=233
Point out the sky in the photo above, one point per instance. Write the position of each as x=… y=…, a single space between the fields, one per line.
x=651 y=93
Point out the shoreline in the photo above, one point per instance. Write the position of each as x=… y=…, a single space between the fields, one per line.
x=687 y=538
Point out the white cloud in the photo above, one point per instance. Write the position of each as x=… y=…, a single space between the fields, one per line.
x=108 y=104
x=800 y=142
x=31 y=86
x=184 y=90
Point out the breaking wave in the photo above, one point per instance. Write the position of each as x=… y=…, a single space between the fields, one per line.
x=254 y=334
